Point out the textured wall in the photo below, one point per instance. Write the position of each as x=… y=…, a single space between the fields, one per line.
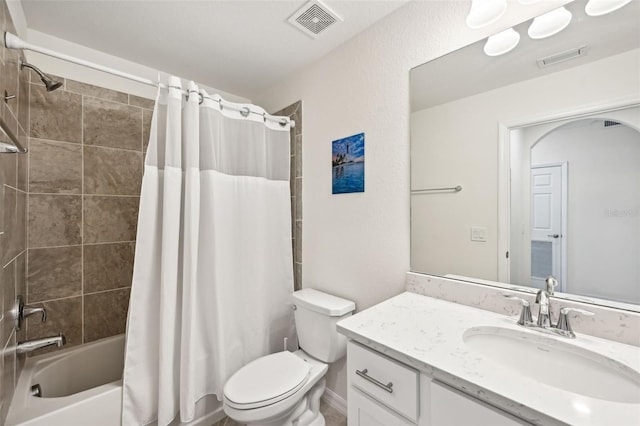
x=357 y=245
x=13 y=202
x=85 y=169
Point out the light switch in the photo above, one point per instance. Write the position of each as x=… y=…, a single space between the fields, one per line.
x=479 y=233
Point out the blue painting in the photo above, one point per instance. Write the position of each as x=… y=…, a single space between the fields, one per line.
x=347 y=163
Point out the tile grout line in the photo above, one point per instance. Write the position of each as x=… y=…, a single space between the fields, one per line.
x=57 y=299
x=81 y=195
x=82 y=144
x=83 y=244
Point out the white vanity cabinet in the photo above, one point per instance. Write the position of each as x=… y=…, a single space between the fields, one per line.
x=383 y=391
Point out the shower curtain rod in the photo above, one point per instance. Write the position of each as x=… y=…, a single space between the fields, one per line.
x=12 y=41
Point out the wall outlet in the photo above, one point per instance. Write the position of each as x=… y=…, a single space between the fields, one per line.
x=479 y=233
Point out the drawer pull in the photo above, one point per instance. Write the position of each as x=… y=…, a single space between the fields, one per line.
x=388 y=387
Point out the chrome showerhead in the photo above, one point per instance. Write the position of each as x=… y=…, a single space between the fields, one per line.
x=50 y=84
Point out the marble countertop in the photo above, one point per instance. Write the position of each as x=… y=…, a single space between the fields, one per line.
x=427 y=333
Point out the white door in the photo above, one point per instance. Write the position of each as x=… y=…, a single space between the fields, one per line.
x=546 y=224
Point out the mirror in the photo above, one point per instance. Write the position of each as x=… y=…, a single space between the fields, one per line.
x=543 y=144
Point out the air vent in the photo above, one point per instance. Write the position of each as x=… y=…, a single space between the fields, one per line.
x=609 y=123
x=562 y=56
x=314 y=18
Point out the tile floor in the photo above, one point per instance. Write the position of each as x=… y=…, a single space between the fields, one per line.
x=332 y=417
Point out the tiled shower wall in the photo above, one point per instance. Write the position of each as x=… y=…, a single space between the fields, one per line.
x=85 y=166
x=294 y=111
x=13 y=202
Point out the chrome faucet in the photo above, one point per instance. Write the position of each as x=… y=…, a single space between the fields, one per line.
x=31 y=345
x=543 y=323
x=542 y=298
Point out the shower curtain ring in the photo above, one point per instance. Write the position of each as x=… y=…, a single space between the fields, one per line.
x=245 y=111
x=201 y=98
x=264 y=116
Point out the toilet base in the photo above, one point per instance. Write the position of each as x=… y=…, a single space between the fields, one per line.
x=306 y=413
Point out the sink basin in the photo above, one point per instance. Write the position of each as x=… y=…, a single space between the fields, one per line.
x=556 y=363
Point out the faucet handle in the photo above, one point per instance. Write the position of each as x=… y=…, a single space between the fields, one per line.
x=563 y=320
x=27 y=311
x=525 y=313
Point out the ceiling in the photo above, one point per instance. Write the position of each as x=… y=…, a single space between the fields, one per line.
x=241 y=47
x=469 y=71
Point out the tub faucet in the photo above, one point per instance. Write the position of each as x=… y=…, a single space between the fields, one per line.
x=31 y=345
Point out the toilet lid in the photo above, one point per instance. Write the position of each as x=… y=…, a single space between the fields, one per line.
x=266 y=380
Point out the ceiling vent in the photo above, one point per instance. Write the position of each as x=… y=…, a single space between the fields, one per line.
x=562 y=56
x=314 y=18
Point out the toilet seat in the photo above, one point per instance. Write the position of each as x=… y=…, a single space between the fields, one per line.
x=266 y=380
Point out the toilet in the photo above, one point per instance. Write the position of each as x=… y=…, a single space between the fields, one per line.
x=285 y=388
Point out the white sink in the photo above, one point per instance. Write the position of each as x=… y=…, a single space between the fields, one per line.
x=556 y=363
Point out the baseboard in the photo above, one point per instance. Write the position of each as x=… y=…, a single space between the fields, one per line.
x=335 y=400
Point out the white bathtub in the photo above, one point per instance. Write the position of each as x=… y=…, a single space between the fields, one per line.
x=82 y=386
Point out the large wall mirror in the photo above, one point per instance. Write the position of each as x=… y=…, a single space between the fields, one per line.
x=527 y=164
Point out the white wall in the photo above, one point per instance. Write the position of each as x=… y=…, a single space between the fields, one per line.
x=603 y=234
x=357 y=245
x=470 y=158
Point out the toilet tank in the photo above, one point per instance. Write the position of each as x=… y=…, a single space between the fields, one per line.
x=316 y=315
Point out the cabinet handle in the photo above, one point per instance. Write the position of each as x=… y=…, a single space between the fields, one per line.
x=388 y=387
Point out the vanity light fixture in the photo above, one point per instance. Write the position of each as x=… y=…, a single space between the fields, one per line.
x=602 y=7
x=550 y=23
x=485 y=12
x=501 y=43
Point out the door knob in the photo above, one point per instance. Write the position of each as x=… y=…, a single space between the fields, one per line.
x=554 y=235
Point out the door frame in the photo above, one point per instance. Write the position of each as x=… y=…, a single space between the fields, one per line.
x=504 y=158
x=564 y=203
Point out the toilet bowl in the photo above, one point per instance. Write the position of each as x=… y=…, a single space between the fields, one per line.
x=285 y=388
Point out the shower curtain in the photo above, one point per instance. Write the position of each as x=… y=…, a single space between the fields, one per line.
x=213 y=272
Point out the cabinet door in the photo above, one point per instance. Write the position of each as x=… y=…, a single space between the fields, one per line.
x=364 y=411
x=450 y=407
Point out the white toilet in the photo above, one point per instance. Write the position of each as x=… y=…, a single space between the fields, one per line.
x=285 y=388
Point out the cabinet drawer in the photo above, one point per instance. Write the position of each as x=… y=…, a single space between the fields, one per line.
x=387 y=381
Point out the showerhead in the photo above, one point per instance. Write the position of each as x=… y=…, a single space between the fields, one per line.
x=49 y=84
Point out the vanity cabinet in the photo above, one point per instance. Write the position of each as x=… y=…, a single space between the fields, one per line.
x=383 y=391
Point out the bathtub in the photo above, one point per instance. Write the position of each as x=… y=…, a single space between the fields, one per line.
x=82 y=386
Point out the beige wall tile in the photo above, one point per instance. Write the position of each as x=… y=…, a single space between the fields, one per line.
x=22 y=163
x=8 y=376
x=10 y=221
x=8 y=299
x=63 y=316
x=54 y=220
x=146 y=128
x=112 y=171
x=110 y=219
x=95 y=91
x=9 y=169
x=55 y=115
x=54 y=273
x=112 y=124
x=108 y=266
x=141 y=102
x=21 y=289
x=9 y=78
x=23 y=102
x=105 y=314
x=55 y=167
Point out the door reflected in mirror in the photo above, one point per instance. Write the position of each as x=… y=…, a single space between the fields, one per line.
x=548 y=157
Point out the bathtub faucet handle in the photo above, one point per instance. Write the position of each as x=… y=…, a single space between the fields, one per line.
x=27 y=311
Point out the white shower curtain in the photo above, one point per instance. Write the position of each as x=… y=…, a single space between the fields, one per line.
x=213 y=268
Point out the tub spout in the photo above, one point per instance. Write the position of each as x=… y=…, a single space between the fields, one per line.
x=31 y=345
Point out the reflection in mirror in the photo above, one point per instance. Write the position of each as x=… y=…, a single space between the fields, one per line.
x=548 y=156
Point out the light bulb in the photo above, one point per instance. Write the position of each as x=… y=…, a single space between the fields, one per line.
x=550 y=23
x=501 y=43
x=602 y=7
x=485 y=12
